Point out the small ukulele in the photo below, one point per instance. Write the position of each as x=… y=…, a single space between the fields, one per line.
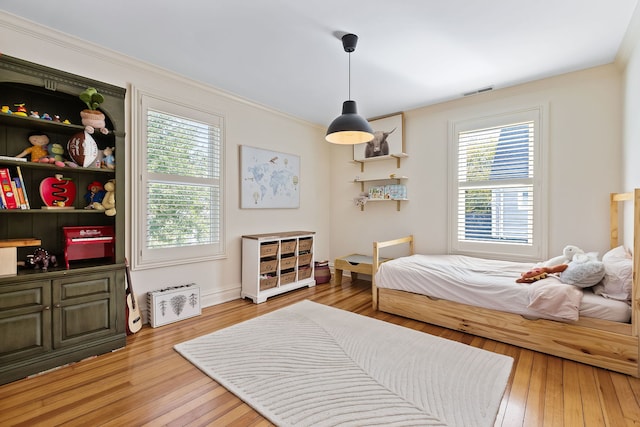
x=134 y=320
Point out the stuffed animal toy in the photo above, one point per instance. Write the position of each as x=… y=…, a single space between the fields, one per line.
x=567 y=256
x=38 y=150
x=539 y=273
x=94 y=194
x=108 y=159
x=108 y=204
x=92 y=118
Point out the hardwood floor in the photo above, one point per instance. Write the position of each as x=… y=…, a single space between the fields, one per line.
x=148 y=383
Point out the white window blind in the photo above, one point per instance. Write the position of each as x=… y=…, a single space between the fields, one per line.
x=496 y=197
x=180 y=188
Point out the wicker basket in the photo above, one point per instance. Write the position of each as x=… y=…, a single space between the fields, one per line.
x=287 y=278
x=288 y=247
x=268 y=266
x=305 y=244
x=287 y=263
x=304 y=259
x=268 y=283
x=268 y=249
x=304 y=273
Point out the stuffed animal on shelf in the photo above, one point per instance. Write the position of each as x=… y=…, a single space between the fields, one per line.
x=539 y=273
x=108 y=159
x=108 y=204
x=92 y=118
x=567 y=256
x=38 y=150
x=94 y=194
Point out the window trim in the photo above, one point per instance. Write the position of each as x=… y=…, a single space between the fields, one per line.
x=538 y=250
x=141 y=258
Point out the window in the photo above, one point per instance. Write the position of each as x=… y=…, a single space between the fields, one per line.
x=496 y=186
x=178 y=207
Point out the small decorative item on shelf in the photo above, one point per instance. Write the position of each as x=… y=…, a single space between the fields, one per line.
x=38 y=150
x=57 y=192
x=108 y=204
x=395 y=191
x=376 y=192
x=361 y=200
x=108 y=159
x=95 y=194
x=41 y=259
x=5 y=109
x=92 y=118
x=21 y=111
x=83 y=149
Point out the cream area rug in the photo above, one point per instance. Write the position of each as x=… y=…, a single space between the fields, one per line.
x=313 y=365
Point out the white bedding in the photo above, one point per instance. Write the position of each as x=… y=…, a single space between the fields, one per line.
x=482 y=283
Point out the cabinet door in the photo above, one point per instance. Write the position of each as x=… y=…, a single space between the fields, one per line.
x=25 y=320
x=84 y=308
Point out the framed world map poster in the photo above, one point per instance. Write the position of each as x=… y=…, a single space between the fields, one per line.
x=268 y=179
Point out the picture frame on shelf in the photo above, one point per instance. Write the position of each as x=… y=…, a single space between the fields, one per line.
x=388 y=140
x=268 y=179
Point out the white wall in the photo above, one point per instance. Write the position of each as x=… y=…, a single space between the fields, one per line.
x=630 y=62
x=584 y=158
x=245 y=124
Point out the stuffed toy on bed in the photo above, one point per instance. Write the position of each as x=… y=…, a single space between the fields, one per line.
x=567 y=256
x=539 y=273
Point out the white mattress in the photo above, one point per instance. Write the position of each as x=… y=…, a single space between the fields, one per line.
x=481 y=283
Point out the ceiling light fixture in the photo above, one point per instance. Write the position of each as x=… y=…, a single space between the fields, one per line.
x=349 y=128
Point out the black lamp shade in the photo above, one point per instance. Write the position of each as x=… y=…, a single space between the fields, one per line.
x=349 y=128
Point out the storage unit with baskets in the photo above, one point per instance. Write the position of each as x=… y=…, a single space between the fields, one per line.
x=275 y=263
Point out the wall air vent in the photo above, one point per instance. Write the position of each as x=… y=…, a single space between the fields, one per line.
x=475 y=92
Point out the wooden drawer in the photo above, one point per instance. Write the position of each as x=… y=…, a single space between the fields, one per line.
x=268 y=266
x=305 y=244
x=304 y=259
x=287 y=278
x=287 y=263
x=268 y=283
x=268 y=249
x=288 y=247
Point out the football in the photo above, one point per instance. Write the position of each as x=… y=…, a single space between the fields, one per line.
x=83 y=149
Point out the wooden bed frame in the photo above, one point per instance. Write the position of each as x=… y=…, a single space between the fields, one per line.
x=601 y=343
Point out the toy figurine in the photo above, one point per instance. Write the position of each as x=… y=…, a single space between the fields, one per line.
x=21 y=111
x=38 y=149
x=5 y=109
x=94 y=195
x=41 y=259
x=108 y=159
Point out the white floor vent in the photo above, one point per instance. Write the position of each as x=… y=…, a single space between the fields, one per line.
x=169 y=305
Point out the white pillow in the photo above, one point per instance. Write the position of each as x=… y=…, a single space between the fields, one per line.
x=618 y=275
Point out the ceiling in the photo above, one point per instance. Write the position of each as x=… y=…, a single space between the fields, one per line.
x=286 y=54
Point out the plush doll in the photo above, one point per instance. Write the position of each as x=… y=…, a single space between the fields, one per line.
x=108 y=159
x=539 y=273
x=94 y=194
x=108 y=204
x=38 y=150
x=567 y=255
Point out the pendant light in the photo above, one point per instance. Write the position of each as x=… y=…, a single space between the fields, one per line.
x=349 y=128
